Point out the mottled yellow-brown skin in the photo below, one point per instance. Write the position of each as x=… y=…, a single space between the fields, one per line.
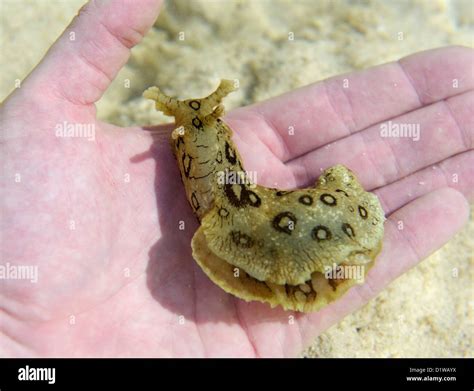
x=261 y=243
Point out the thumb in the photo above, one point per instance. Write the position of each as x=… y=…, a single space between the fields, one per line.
x=85 y=59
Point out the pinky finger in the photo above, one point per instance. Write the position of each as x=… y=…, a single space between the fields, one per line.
x=415 y=231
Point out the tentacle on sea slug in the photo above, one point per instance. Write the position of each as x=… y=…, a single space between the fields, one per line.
x=300 y=249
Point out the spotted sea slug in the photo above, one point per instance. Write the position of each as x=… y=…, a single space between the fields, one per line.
x=300 y=249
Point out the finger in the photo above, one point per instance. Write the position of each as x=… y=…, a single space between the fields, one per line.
x=414 y=232
x=310 y=117
x=428 y=223
x=88 y=55
x=439 y=131
x=455 y=173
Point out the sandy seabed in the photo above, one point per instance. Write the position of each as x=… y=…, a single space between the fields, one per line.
x=429 y=311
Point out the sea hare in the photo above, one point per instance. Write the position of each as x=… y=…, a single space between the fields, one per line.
x=300 y=249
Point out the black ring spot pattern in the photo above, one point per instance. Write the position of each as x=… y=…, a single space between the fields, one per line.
x=363 y=212
x=348 y=230
x=321 y=233
x=306 y=200
x=253 y=198
x=197 y=122
x=328 y=199
x=343 y=192
x=281 y=226
x=223 y=212
x=195 y=105
x=247 y=197
x=242 y=240
x=186 y=164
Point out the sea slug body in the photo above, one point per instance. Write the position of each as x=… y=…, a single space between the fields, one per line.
x=300 y=249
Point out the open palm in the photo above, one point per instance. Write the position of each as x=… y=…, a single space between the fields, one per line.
x=103 y=220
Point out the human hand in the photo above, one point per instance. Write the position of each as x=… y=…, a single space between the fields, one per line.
x=100 y=219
